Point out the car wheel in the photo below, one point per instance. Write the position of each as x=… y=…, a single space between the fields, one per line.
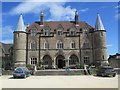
x=25 y=76
x=102 y=75
x=14 y=77
x=114 y=75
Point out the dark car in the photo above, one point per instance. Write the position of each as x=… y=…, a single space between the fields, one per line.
x=21 y=72
x=106 y=71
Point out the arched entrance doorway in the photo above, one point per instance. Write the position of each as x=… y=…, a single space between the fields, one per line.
x=60 y=61
x=74 y=60
x=47 y=60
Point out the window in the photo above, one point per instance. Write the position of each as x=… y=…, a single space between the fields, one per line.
x=59 y=32
x=46 y=32
x=33 y=61
x=33 y=46
x=101 y=33
x=72 y=33
x=103 y=57
x=73 y=45
x=86 y=60
x=86 y=45
x=60 y=45
x=46 y=63
x=46 y=45
x=17 y=35
x=33 y=32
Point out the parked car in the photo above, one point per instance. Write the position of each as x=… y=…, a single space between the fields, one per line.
x=21 y=72
x=106 y=71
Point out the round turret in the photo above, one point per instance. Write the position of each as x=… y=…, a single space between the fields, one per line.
x=100 y=49
x=20 y=44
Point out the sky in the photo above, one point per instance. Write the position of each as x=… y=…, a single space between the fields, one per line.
x=62 y=11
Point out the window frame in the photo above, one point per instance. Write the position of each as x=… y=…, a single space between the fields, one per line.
x=59 y=32
x=46 y=32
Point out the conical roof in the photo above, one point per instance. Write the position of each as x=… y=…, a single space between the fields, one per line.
x=20 y=25
x=99 y=24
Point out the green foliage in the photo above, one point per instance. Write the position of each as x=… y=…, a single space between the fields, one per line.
x=79 y=65
x=41 y=61
x=28 y=66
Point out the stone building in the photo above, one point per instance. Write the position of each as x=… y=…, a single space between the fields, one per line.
x=6 y=56
x=114 y=60
x=59 y=43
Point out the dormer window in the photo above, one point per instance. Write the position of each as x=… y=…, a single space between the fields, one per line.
x=72 y=32
x=46 y=32
x=33 y=32
x=59 y=32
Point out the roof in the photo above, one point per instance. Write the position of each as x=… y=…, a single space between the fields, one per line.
x=116 y=56
x=99 y=24
x=5 y=47
x=53 y=25
x=20 y=26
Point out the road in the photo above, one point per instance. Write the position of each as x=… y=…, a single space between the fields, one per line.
x=81 y=81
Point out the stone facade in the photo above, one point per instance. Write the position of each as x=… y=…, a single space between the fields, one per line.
x=114 y=60
x=56 y=41
x=6 y=56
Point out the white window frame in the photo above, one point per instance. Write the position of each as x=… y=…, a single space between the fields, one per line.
x=33 y=46
x=33 y=61
x=33 y=32
x=73 y=45
x=46 y=45
x=60 y=45
x=59 y=32
x=46 y=32
x=86 y=60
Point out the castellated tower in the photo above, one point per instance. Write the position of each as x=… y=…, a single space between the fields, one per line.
x=100 y=49
x=20 y=44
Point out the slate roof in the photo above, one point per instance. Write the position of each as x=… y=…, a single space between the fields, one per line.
x=20 y=25
x=99 y=25
x=5 y=47
x=65 y=24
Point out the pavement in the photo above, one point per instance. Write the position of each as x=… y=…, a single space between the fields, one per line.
x=80 y=81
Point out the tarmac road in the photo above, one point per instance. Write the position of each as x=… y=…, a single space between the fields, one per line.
x=80 y=81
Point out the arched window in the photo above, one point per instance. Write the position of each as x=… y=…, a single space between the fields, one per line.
x=46 y=45
x=33 y=46
x=33 y=61
x=60 y=45
x=73 y=45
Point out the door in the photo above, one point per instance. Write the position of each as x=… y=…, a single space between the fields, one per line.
x=61 y=63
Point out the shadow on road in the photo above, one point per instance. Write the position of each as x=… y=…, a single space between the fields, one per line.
x=103 y=76
x=16 y=78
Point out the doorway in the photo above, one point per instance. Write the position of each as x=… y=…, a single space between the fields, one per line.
x=61 y=63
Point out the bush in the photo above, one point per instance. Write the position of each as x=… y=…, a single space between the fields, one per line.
x=28 y=66
x=79 y=66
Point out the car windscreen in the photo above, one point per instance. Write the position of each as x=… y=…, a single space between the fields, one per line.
x=18 y=69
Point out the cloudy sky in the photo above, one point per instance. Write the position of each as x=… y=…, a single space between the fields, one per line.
x=62 y=11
